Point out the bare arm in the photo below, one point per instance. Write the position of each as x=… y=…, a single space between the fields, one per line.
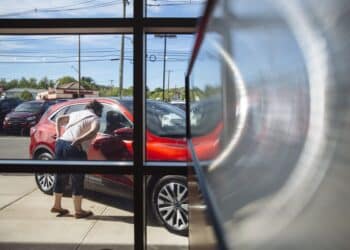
x=61 y=121
x=95 y=126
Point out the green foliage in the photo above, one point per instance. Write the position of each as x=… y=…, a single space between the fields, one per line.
x=65 y=79
x=89 y=83
x=26 y=96
x=172 y=94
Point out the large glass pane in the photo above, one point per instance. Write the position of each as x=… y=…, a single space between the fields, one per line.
x=174 y=8
x=167 y=60
x=167 y=212
x=27 y=222
x=40 y=83
x=66 y=9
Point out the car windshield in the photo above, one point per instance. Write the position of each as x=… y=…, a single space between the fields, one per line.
x=205 y=116
x=29 y=107
x=163 y=119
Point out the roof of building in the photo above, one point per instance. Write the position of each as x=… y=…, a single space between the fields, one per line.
x=71 y=85
x=15 y=90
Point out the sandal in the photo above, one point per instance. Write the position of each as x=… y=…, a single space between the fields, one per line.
x=83 y=214
x=60 y=211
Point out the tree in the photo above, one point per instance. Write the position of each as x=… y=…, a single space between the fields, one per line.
x=43 y=83
x=65 y=79
x=23 y=83
x=26 y=95
x=88 y=83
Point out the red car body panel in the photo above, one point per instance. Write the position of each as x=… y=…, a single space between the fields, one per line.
x=157 y=148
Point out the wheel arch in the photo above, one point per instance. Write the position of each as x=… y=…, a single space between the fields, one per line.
x=42 y=149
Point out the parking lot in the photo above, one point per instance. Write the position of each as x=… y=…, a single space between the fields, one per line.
x=14 y=147
x=26 y=222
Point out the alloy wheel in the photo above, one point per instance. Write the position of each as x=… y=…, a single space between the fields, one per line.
x=46 y=181
x=172 y=205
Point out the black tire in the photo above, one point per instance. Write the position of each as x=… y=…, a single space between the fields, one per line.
x=45 y=181
x=170 y=203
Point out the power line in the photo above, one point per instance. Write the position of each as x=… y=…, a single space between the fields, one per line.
x=62 y=8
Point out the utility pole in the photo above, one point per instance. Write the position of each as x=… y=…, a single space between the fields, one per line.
x=164 y=67
x=79 y=78
x=165 y=36
x=169 y=71
x=121 y=64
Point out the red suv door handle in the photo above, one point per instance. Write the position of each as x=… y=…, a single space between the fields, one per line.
x=54 y=137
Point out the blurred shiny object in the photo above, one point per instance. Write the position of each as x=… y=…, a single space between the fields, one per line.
x=280 y=70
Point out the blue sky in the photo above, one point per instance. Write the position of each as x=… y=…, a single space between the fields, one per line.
x=100 y=54
x=57 y=55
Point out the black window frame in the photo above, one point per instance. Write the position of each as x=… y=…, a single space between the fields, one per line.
x=139 y=25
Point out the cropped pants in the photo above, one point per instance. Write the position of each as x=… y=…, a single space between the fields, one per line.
x=65 y=151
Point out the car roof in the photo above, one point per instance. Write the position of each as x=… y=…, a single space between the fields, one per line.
x=84 y=100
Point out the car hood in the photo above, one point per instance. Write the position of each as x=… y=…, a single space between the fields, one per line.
x=20 y=114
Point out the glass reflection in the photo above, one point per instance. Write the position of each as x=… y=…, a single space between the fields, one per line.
x=282 y=147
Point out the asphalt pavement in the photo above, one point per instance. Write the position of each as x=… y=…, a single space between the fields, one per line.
x=14 y=147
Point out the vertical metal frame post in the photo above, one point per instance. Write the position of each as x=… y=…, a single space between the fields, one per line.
x=140 y=238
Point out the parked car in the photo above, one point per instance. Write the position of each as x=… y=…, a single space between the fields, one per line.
x=179 y=103
x=166 y=141
x=25 y=116
x=6 y=106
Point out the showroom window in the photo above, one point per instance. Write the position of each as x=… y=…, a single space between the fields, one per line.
x=75 y=49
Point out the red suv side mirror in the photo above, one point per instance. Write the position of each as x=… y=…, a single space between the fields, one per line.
x=124 y=133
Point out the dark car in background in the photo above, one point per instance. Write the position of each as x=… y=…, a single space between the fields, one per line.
x=25 y=116
x=6 y=106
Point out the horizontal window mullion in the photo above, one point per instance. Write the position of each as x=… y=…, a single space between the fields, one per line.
x=96 y=25
x=66 y=23
x=32 y=166
x=168 y=170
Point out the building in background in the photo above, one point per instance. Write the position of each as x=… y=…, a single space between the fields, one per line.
x=16 y=92
x=67 y=91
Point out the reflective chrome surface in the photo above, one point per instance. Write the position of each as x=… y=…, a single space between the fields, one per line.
x=280 y=73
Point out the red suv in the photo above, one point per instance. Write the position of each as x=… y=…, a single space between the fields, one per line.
x=165 y=141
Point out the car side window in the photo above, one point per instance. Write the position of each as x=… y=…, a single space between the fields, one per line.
x=74 y=108
x=112 y=119
x=67 y=110
x=59 y=113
